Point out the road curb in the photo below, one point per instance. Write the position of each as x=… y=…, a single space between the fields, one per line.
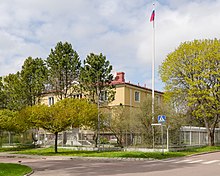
x=29 y=173
x=73 y=157
x=203 y=153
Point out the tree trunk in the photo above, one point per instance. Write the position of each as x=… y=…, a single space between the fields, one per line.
x=210 y=131
x=119 y=140
x=56 y=138
x=211 y=137
x=95 y=138
x=64 y=138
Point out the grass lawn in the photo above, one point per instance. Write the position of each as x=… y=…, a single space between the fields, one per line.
x=113 y=154
x=11 y=149
x=9 y=169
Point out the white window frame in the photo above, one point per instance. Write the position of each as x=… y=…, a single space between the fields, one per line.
x=77 y=96
x=50 y=101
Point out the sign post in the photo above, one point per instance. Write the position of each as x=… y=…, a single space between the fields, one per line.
x=162 y=119
x=168 y=138
x=155 y=124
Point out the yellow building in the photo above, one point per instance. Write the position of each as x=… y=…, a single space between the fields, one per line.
x=126 y=94
x=132 y=95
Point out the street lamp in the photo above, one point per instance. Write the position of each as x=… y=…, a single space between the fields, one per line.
x=98 y=106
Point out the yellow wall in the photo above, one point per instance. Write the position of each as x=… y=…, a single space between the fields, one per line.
x=44 y=99
x=125 y=95
x=119 y=96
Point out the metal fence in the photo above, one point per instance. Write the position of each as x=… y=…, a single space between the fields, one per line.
x=168 y=138
x=191 y=136
x=15 y=139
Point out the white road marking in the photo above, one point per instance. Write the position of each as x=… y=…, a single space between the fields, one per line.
x=190 y=161
x=183 y=161
x=195 y=161
x=169 y=161
x=210 y=162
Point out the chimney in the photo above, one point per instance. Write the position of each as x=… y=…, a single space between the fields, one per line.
x=120 y=77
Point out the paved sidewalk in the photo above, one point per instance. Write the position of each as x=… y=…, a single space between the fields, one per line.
x=24 y=156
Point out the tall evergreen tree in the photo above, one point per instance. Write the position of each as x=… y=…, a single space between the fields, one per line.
x=64 y=66
x=96 y=78
x=33 y=78
x=14 y=91
x=2 y=94
x=24 y=88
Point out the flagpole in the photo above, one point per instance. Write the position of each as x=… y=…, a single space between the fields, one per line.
x=153 y=70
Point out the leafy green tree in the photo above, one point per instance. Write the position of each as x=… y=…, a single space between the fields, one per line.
x=118 y=121
x=33 y=78
x=96 y=77
x=64 y=67
x=60 y=116
x=192 y=76
x=6 y=120
x=140 y=120
x=9 y=121
x=52 y=119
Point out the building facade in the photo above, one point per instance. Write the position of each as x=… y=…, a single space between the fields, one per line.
x=128 y=94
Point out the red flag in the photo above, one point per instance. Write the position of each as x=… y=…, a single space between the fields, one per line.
x=152 y=16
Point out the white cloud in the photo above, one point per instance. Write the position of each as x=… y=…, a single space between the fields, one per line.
x=119 y=29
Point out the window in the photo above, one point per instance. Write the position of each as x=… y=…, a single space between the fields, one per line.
x=77 y=96
x=158 y=99
x=50 y=101
x=137 y=96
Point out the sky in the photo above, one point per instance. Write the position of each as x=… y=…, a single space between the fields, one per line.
x=120 y=29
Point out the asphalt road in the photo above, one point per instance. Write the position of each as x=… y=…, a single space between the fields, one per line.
x=200 y=165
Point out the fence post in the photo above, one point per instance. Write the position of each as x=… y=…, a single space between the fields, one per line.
x=168 y=138
x=45 y=138
x=190 y=137
x=162 y=137
x=9 y=138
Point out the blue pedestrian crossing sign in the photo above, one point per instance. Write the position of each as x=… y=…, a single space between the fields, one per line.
x=161 y=119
